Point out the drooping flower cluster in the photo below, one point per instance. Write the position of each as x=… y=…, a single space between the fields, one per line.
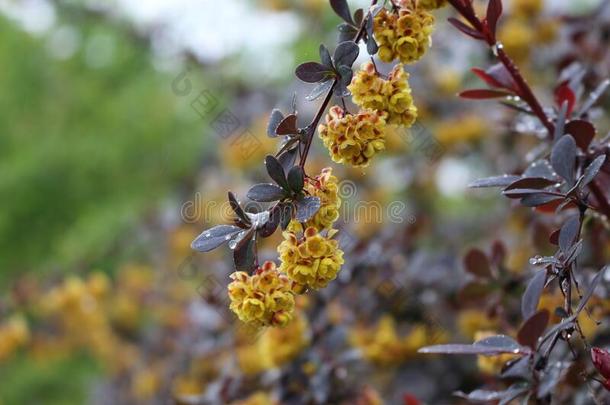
x=310 y=259
x=262 y=299
x=391 y=97
x=404 y=35
x=353 y=138
x=325 y=187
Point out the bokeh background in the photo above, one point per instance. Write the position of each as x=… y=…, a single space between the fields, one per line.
x=122 y=125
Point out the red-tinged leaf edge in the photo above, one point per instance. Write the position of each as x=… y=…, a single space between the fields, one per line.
x=482 y=94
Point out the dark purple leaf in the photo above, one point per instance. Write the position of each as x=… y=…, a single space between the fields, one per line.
x=563 y=158
x=517 y=368
x=212 y=238
x=497 y=181
x=533 y=328
x=347 y=32
x=274 y=121
x=244 y=254
x=531 y=183
x=493 y=345
x=477 y=264
x=341 y=8
x=325 y=57
x=536 y=200
x=288 y=126
x=346 y=74
x=482 y=94
x=601 y=360
x=592 y=170
x=582 y=131
x=266 y=192
x=541 y=168
x=587 y=296
x=238 y=210
x=531 y=296
x=288 y=157
x=346 y=53
x=465 y=28
x=296 y=179
x=371 y=45
x=286 y=215
x=271 y=225
x=569 y=233
x=276 y=171
x=312 y=72
x=306 y=208
x=522 y=192
x=551 y=377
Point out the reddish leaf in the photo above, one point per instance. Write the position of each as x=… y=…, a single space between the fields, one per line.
x=486 y=77
x=494 y=10
x=582 y=131
x=601 y=361
x=410 y=399
x=533 y=328
x=465 y=28
x=564 y=94
x=554 y=238
x=288 y=126
x=480 y=94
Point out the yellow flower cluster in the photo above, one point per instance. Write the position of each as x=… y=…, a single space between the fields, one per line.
x=353 y=138
x=14 y=333
x=310 y=259
x=325 y=187
x=391 y=97
x=274 y=348
x=382 y=345
x=263 y=299
x=404 y=36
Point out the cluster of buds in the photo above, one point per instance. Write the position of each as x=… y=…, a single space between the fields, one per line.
x=405 y=35
x=391 y=97
x=353 y=138
x=309 y=258
x=262 y=299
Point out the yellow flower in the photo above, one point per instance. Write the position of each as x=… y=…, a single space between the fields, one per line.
x=311 y=260
x=391 y=97
x=527 y=8
x=353 y=138
x=280 y=345
x=517 y=37
x=14 y=333
x=404 y=36
x=471 y=321
x=383 y=346
x=325 y=187
x=264 y=299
